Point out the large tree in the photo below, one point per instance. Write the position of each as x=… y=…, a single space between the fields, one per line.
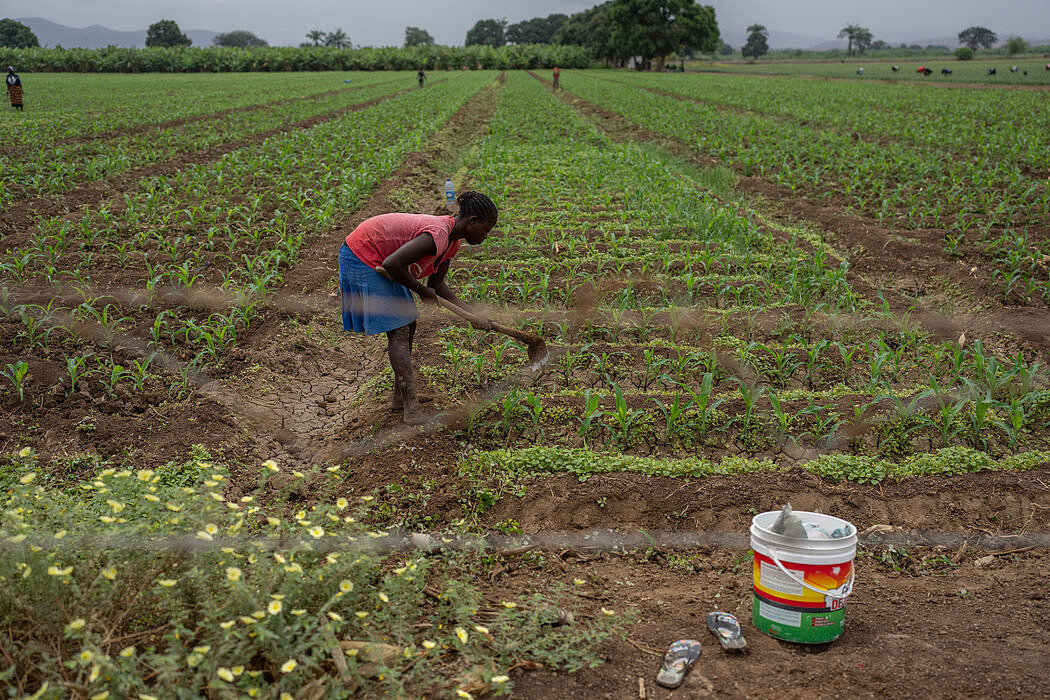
x=655 y=28
x=757 y=42
x=978 y=37
x=316 y=37
x=590 y=28
x=337 y=39
x=240 y=38
x=489 y=32
x=15 y=35
x=1016 y=45
x=857 y=37
x=539 y=30
x=414 y=36
x=166 y=33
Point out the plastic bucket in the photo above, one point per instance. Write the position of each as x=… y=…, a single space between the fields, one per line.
x=800 y=585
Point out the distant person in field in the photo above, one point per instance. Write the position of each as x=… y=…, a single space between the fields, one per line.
x=14 y=88
x=408 y=248
x=557 y=76
x=421 y=77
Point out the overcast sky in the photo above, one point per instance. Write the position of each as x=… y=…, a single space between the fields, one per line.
x=383 y=22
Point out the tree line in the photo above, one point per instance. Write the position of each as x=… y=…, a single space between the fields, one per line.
x=220 y=59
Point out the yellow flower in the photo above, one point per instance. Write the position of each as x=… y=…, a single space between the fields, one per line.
x=87 y=655
x=341 y=503
x=237 y=670
x=462 y=634
x=107 y=519
x=77 y=624
x=17 y=539
x=286 y=696
x=228 y=624
x=172 y=507
x=143 y=696
x=151 y=498
x=427 y=644
x=464 y=694
x=384 y=597
x=508 y=605
x=500 y=679
x=275 y=607
x=361 y=614
x=366 y=499
x=202 y=535
x=332 y=558
x=115 y=505
x=289 y=666
x=145 y=474
x=25 y=452
x=316 y=532
x=271 y=465
x=273 y=521
x=482 y=630
x=606 y=611
x=233 y=573
x=54 y=570
x=578 y=581
x=259 y=614
x=225 y=674
x=211 y=529
x=167 y=582
x=100 y=696
x=127 y=652
x=346 y=586
x=335 y=616
x=247 y=620
x=28 y=478
x=110 y=573
x=202 y=650
x=298 y=611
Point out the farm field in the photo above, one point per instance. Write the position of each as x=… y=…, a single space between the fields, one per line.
x=1031 y=72
x=754 y=291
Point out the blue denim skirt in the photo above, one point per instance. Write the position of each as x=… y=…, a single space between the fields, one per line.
x=372 y=304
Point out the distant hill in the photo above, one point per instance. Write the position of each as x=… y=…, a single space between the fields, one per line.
x=96 y=36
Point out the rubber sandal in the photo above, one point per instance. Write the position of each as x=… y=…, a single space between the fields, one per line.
x=680 y=657
x=725 y=626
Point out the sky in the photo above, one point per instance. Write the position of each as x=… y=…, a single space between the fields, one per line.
x=383 y=22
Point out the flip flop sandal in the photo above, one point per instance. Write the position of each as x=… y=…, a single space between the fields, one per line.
x=680 y=657
x=727 y=629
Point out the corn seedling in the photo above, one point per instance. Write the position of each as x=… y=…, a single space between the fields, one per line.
x=17 y=373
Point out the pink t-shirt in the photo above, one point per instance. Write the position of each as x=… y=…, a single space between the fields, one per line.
x=378 y=237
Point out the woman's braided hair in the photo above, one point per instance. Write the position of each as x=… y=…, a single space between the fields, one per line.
x=477 y=205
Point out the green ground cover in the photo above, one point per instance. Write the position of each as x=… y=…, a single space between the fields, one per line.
x=975 y=71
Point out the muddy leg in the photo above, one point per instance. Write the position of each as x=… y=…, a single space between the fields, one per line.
x=400 y=350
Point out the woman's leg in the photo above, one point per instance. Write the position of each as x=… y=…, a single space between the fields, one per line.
x=400 y=350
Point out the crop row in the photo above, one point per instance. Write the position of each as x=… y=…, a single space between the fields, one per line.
x=964 y=122
x=695 y=372
x=66 y=107
x=228 y=228
x=892 y=182
x=49 y=169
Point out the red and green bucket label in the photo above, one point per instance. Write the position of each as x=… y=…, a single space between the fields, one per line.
x=785 y=609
